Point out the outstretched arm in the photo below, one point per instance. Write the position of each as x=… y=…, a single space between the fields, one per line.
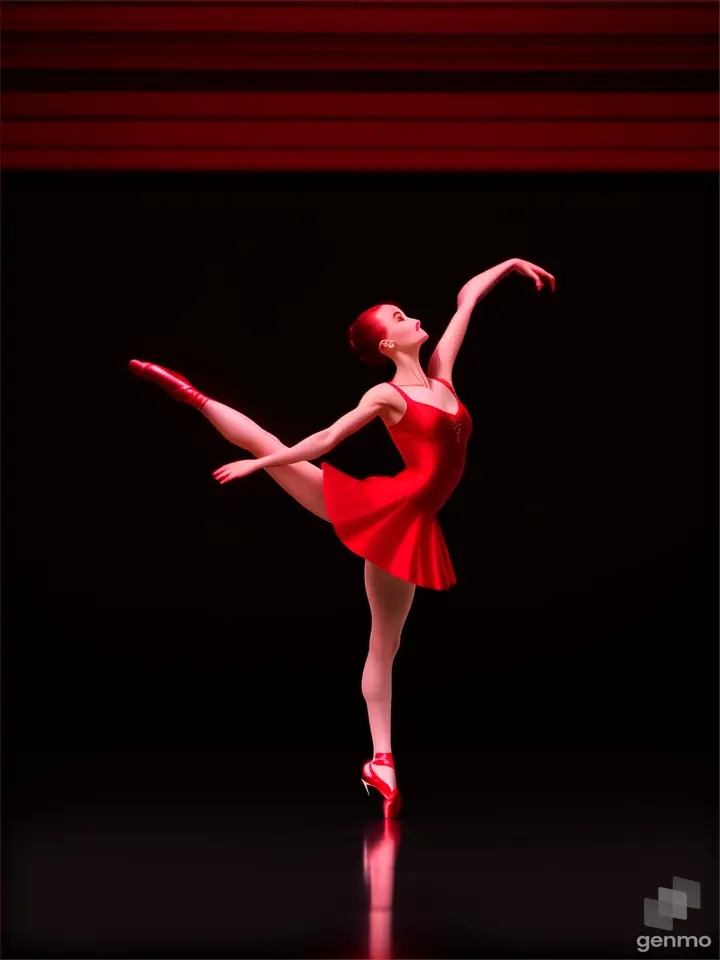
x=443 y=357
x=317 y=444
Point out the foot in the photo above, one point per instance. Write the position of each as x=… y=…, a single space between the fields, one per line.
x=173 y=383
x=380 y=774
x=382 y=766
x=385 y=773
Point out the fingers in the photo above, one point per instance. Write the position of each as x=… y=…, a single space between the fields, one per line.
x=231 y=471
x=536 y=277
x=223 y=474
x=534 y=272
x=539 y=276
x=550 y=278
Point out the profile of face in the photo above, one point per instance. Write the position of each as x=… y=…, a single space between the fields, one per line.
x=402 y=332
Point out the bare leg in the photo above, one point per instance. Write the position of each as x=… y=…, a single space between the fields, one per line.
x=303 y=480
x=390 y=600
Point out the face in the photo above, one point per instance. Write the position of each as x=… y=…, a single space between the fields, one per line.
x=402 y=331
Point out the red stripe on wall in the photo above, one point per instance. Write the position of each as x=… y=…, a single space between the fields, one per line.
x=360 y=134
x=311 y=104
x=325 y=16
x=357 y=52
x=286 y=130
x=370 y=160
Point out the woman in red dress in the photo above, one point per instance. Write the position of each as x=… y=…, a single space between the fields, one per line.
x=390 y=521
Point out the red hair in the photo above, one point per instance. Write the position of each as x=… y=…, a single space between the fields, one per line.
x=365 y=334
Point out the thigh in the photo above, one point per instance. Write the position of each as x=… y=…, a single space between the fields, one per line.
x=304 y=482
x=390 y=599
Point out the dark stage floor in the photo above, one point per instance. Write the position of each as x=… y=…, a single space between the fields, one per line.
x=243 y=856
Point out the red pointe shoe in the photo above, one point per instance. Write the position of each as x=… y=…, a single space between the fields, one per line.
x=173 y=383
x=392 y=801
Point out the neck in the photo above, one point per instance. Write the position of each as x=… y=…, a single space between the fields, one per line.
x=410 y=372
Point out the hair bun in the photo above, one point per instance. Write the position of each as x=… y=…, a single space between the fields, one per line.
x=364 y=337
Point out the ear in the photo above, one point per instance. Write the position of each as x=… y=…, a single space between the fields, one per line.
x=387 y=344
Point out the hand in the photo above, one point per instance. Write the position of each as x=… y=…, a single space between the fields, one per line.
x=536 y=273
x=233 y=471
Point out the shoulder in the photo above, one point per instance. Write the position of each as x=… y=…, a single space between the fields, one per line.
x=381 y=400
x=381 y=395
x=447 y=381
x=440 y=368
x=384 y=401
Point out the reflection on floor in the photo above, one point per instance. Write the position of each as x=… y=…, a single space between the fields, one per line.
x=380 y=851
x=150 y=873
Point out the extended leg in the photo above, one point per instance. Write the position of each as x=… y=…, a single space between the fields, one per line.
x=303 y=480
x=390 y=600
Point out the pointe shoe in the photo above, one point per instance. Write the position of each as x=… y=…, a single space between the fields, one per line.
x=173 y=383
x=392 y=801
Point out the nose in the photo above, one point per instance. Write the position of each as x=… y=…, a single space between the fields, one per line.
x=417 y=325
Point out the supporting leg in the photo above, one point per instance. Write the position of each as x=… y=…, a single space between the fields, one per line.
x=390 y=599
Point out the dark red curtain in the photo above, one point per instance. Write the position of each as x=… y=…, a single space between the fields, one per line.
x=326 y=85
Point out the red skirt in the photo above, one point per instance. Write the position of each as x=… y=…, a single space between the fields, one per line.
x=378 y=520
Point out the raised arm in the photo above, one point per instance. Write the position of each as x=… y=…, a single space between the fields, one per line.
x=443 y=357
x=371 y=404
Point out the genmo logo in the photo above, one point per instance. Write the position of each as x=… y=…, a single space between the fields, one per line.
x=644 y=942
x=672 y=904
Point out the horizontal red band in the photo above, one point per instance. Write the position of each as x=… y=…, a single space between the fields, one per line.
x=382 y=16
x=364 y=161
x=360 y=134
x=349 y=51
x=318 y=105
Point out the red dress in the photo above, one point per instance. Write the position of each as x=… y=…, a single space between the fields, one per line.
x=391 y=521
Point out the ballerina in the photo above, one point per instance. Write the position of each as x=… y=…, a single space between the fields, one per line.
x=389 y=521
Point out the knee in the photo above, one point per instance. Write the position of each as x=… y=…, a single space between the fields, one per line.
x=385 y=643
x=268 y=444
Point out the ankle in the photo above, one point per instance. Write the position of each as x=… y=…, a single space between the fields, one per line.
x=385 y=772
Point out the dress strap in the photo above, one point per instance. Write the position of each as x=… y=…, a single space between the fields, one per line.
x=402 y=392
x=449 y=386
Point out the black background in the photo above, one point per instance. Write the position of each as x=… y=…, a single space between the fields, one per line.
x=151 y=614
